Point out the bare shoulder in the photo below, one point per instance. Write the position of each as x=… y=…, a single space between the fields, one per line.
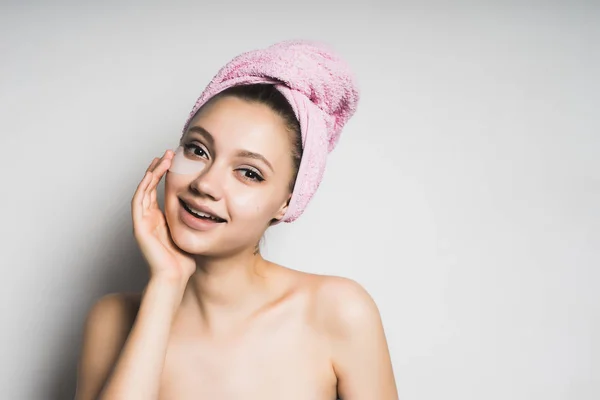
x=107 y=326
x=341 y=304
x=113 y=314
x=117 y=302
x=351 y=323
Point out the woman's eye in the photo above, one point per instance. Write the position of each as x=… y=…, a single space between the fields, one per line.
x=252 y=175
x=196 y=150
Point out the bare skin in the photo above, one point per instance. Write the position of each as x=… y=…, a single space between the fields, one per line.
x=216 y=320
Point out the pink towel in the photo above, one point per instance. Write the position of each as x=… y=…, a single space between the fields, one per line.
x=321 y=89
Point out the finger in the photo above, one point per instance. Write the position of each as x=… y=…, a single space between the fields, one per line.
x=153 y=164
x=166 y=154
x=146 y=198
x=159 y=171
x=137 y=210
x=153 y=202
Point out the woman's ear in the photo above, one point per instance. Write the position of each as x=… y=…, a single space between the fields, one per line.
x=282 y=210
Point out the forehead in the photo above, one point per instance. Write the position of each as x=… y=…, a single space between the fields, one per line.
x=240 y=124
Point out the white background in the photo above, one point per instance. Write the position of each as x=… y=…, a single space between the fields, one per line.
x=464 y=194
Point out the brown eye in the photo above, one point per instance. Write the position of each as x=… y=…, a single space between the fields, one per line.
x=250 y=174
x=196 y=150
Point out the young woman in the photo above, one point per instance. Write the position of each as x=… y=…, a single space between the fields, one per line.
x=217 y=320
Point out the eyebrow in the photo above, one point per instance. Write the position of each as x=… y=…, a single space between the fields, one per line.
x=256 y=156
x=242 y=153
x=202 y=132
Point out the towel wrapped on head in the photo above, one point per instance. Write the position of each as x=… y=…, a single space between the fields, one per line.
x=319 y=86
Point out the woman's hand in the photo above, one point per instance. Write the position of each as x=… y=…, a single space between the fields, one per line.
x=151 y=232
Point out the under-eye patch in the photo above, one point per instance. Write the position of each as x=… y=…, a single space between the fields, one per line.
x=183 y=165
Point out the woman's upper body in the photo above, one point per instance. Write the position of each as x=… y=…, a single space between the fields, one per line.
x=216 y=320
x=302 y=336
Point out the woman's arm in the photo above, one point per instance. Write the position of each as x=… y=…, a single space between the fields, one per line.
x=123 y=354
x=107 y=325
x=360 y=354
x=137 y=372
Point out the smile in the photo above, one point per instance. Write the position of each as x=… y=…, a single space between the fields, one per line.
x=200 y=214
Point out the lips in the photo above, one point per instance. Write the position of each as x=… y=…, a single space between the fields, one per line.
x=201 y=212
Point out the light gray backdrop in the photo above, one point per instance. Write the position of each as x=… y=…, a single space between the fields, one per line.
x=464 y=195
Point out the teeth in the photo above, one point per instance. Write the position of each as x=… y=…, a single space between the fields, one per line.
x=202 y=214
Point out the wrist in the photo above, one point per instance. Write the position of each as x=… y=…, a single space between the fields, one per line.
x=168 y=281
x=170 y=290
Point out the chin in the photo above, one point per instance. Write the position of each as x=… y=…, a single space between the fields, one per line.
x=209 y=245
x=192 y=245
x=187 y=240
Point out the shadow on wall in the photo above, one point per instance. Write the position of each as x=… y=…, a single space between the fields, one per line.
x=116 y=265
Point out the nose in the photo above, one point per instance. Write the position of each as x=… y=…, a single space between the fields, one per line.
x=209 y=183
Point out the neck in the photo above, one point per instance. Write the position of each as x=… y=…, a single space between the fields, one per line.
x=227 y=290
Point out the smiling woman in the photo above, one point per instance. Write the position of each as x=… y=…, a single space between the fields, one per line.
x=251 y=125
x=217 y=320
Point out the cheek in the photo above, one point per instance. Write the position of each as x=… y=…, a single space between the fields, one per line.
x=247 y=204
x=254 y=205
x=174 y=184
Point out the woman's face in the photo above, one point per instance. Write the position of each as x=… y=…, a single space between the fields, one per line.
x=245 y=180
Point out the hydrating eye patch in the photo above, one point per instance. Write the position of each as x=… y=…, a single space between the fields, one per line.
x=184 y=166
